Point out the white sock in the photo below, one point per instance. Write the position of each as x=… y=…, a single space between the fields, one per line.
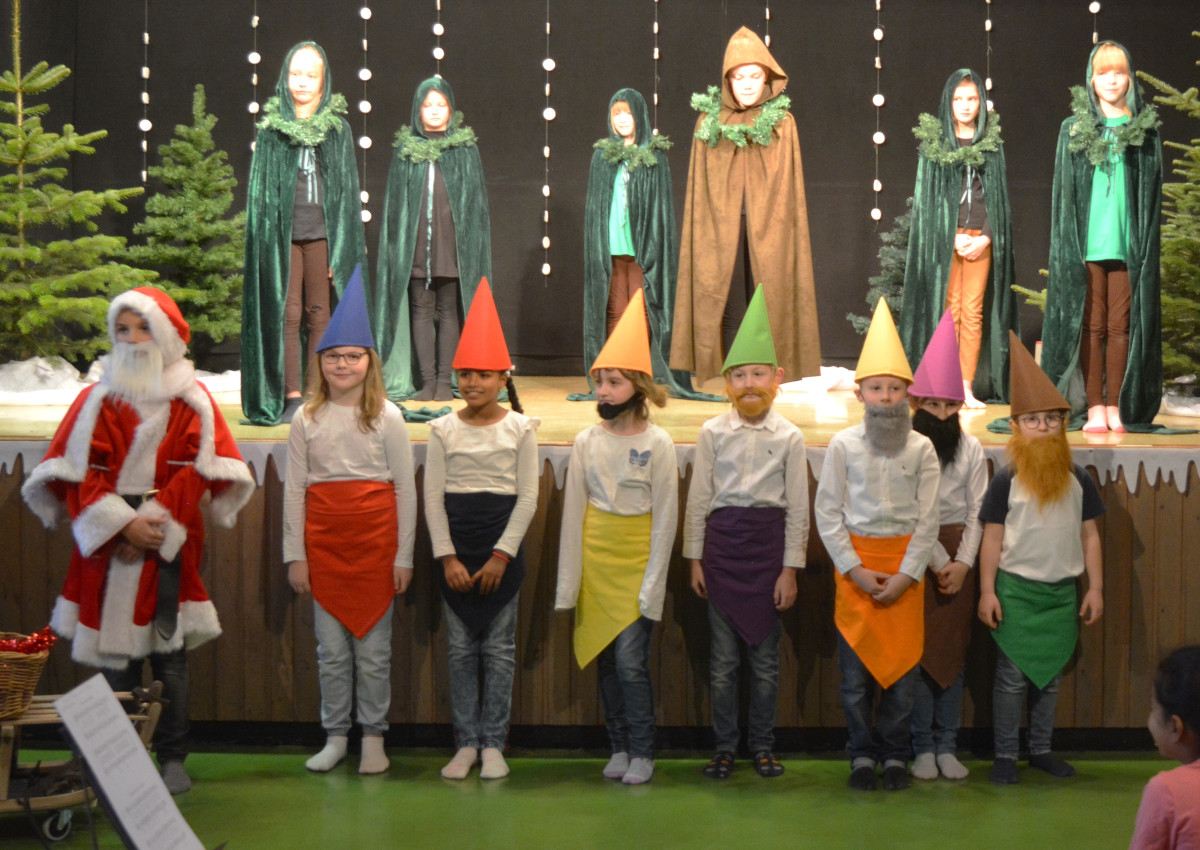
x=459 y=766
x=617 y=766
x=924 y=767
x=951 y=767
x=330 y=756
x=640 y=771
x=494 y=765
x=374 y=759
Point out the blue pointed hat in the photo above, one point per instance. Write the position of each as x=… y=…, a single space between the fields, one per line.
x=349 y=324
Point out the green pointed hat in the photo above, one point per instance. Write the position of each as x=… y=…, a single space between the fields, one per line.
x=753 y=343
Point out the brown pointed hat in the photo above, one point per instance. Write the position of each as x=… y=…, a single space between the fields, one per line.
x=1029 y=388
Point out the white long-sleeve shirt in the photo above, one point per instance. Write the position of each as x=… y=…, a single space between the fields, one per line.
x=753 y=466
x=497 y=458
x=333 y=448
x=865 y=493
x=627 y=476
x=960 y=493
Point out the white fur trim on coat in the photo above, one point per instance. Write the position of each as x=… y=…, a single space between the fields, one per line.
x=164 y=333
x=99 y=522
x=197 y=625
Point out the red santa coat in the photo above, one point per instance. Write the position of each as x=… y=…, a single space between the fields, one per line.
x=101 y=451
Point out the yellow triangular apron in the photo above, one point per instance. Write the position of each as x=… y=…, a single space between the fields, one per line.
x=615 y=550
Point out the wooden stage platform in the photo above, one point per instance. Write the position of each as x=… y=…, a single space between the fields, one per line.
x=264 y=666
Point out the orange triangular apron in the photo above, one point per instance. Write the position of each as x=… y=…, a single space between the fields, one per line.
x=615 y=550
x=888 y=639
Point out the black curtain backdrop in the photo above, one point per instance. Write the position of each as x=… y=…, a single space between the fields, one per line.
x=494 y=51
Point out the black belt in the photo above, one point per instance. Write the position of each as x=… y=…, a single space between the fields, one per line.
x=166 y=606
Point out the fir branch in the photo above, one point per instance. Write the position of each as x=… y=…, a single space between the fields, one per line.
x=416 y=148
x=1089 y=135
x=633 y=156
x=945 y=152
x=306 y=131
x=711 y=129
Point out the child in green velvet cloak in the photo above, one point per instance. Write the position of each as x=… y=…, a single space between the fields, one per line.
x=1103 y=313
x=304 y=232
x=435 y=246
x=629 y=238
x=960 y=253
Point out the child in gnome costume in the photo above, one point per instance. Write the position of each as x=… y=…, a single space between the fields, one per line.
x=936 y=396
x=349 y=521
x=1039 y=535
x=481 y=487
x=877 y=513
x=620 y=512
x=130 y=464
x=745 y=535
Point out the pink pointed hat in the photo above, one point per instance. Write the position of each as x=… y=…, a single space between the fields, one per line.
x=939 y=374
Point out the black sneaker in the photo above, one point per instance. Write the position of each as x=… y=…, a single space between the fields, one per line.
x=1052 y=765
x=863 y=778
x=1004 y=772
x=767 y=765
x=895 y=778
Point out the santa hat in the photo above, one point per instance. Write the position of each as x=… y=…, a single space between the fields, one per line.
x=939 y=374
x=1029 y=387
x=753 y=343
x=349 y=324
x=481 y=345
x=629 y=345
x=161 y=313
x=882 y=353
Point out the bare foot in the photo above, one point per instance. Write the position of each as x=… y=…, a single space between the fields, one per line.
x=1114 y=419
x=969 y=399
x=1097 y=421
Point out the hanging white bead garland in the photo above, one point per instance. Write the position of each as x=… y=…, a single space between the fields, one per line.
x=1094 y=8
x=878 y=138
x=438 y=31
x=364 y=108
x=254 y=59
x=144 y=125
x=987 y=80
x=767 y=23
x=657 y=56
x=548 y=115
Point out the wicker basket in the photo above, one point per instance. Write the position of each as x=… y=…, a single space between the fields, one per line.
x=19 y=674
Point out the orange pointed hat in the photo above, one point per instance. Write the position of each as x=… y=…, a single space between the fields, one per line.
x=882 y=353
x=1029 y=387
x=481 y=344
x=629 y=345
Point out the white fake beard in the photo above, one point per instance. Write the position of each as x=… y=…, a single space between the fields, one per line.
x=135 y=370
x=887 y=428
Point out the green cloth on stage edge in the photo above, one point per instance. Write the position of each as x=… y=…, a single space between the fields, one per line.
x=269 y=197
x=652 y=223
x=1142 y=386
x=1040 y=625
x=462 y=171
x=936 y=201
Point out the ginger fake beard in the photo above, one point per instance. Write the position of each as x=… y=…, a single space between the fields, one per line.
x=1042 y=464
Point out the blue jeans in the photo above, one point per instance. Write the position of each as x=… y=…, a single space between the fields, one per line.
x=351 y=668
x=482 y=725
x=170 y=668
x=937 y=714
x=1008 y=692
x=890 y=737
x=725 y=659
x=626 y=692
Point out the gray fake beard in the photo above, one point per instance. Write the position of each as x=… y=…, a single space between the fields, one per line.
x=134 y=370
x=887 y=428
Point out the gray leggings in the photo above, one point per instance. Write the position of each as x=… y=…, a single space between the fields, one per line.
x=437 y=302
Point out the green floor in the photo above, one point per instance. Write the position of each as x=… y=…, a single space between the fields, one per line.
x=266 y=801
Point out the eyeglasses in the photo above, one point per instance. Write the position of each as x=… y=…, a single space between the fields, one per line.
x=1034 y=420
x=331 y=358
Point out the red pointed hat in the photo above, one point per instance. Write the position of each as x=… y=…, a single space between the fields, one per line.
x=481 y=345
x=939 y=374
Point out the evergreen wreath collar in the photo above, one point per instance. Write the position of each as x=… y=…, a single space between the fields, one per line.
x=1098 y=142
x=711 y=129
x=633 y=156
x=946 y=152
x=416 y=148
x=306 y=131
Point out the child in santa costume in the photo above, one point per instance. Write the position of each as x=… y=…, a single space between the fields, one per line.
x=1039 y=535
x=130 y=465
x=936 y=396
x=349 y=521
x=877 y=512
x=620 y=512
x=745 y=534
x=481 y=488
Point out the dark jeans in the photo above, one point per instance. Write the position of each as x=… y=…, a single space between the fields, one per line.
x=626 y=691
x=435 y=304
x=725 y=659
x=889 y=739
x=937 y=714
x=170 y=668
x=1008 y=692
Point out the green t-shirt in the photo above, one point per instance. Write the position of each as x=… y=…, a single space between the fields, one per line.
x=1108 y=216
x=620 y=233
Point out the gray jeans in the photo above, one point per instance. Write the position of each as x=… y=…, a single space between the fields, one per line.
x=348 y=667
x=1008 y=692
x=482 y=723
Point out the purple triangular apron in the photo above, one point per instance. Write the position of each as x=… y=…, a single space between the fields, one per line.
x=743 y=554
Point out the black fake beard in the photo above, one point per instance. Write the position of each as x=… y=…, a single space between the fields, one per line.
x=887 y=428
x=612 y=411
x=945 y=434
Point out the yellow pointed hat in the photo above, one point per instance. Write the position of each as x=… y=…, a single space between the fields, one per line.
x=882 y=352
x=629 y=345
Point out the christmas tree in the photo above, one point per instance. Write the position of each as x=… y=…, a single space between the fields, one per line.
x=889 y=283
x=54 y=292
x=189 y=239
x=1181 y=242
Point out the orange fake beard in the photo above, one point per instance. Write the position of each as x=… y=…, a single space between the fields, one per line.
x=753 y=408
x=1042 y=464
